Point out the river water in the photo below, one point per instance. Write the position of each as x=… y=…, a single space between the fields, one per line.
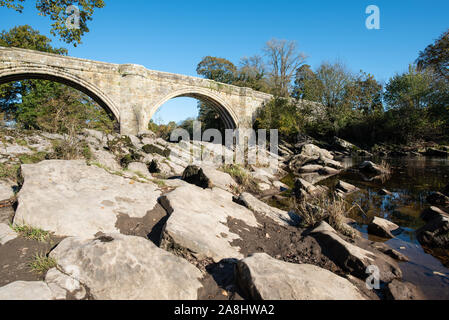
x=411 y=181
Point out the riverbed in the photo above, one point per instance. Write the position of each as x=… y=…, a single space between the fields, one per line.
x=410 y=182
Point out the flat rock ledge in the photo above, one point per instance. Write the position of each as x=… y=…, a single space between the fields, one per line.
x=199 y=219
x=70 y=198
x=119 y=267
x=383 y=228
x=262 y=277
x=26 y=290
x=279 y=216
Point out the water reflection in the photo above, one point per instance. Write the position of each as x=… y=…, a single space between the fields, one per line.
x=411 y=181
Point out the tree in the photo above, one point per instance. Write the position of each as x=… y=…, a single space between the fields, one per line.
x=53 y=107
x=58 y=12
x=281 y=114
x=46 y=105
x=364 y=94
x=27 y=38
x=436 y=56
x=283 y=61
x=217 y=69
x=252 y=74
x=307 y=85
x=407 y=96
x=210 y=118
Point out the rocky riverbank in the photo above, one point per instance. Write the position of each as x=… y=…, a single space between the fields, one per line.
x=132 y=218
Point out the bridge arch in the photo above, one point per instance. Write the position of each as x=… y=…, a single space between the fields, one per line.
x=29 y=72
x=224 y=109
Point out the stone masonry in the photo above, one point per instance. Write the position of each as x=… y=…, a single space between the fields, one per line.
x=131 y=93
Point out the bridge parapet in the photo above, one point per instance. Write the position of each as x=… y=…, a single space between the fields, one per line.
x=132 y=93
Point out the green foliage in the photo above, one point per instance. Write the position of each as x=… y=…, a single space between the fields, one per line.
x=242 y=177
x=33 y=158
x=209 y=118
x=9 y=171
x=31 y=233
x=436 y=56
x=41 y=263
x=28 y=38
x=282 y=114
x=54 y=107
x=129 y=158
x=217 y=69
x=46 y=105
x=152 y=149
x=57 y=11
x=161 y=130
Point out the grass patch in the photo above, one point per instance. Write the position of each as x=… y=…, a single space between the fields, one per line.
x=242 y=177
x=31 y=233
x=33 y=158
x=160 y=183
x=322 y=208
x=9 y=171
x=22 y=142
x=41 y=263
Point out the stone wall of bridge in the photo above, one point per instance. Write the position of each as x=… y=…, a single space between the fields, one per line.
x=131 y=93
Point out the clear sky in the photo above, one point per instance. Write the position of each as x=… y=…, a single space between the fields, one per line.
x=175 y=35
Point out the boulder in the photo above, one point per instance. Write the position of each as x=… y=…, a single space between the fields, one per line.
x=262 y=175
x=433 y=152
x=397 y=290
x=371 y=168
x=342 y=189
x=438 y=199
x=435 y=233
x=105 y=159
x=199 y=219
x=354 y=259
x=304 y=189
x=349 y=148
x=6 y=192
x=6 y=234
x=63 y=286
x=208 y=177
x=262 y=277
x=140 y=168
x=312 y=151
x=445 y=191
x=346 y=187
x=432 y=213
x=382 y=228
x=279 y=216
x=26 y=290
x=310 y=168
x=119 y=267
x=384 y=192
x=327 y=171
x=70 y=198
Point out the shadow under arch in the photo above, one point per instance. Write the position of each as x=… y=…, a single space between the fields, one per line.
x=85 y=87
x=224 y=110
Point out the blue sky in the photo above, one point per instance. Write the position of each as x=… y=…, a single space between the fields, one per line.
x=174 y=36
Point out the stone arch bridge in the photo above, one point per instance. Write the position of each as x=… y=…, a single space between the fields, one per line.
x=129 y=92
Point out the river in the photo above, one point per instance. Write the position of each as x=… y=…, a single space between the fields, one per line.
x=411 y=181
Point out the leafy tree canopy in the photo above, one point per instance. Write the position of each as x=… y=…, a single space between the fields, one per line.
x=436 y=56
x=58 y=12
